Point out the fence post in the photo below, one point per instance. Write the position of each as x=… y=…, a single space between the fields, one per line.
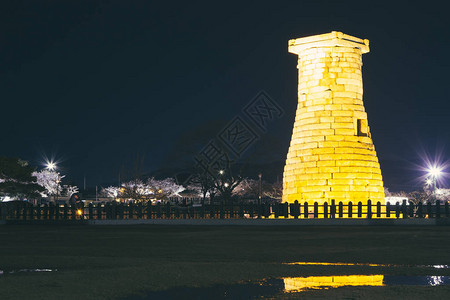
x=177 y=212
x=66 y=211
x=51 y=211
x=397 y=210
x=114 y=209
x=286 y=210
x=305 y=210
x=388 y=209
x=411 y=209
x=31 y=209
x=120 y=209
x=167 y=210
x=131 y=211
x=378 y=209
x=333 y=209
x=316 y=210
x=404 y=210
x=38 y=212
x=212 y=213
x=184 y=211
x=369 y=209
x=241 y=210
x=73 y=212
x=202 y=211
x=447 y=212
x=24 y=210
x=222 y=210
x=438 y=208
x=295 y=209
x=107 y=211
x=341 y=209
x=325 y=210
x=148 y=210
x=99 y=211
x=260 y=210
x=429 y=211
x=158 y=210
x=276 y=210
x=419 y=210
x=56 y=211
x=350 y=209
x=359 y=209
x=267 y=210
x=91 y=211
x=191 y=210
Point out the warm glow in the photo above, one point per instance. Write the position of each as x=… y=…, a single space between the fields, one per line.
x=298 y=284
x=79 y=212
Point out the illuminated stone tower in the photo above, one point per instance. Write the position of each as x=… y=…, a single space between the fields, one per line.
x=331 y=155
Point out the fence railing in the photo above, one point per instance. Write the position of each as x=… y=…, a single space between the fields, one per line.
x=121 y=211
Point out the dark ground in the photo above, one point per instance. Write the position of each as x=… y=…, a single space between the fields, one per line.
x=106 y=262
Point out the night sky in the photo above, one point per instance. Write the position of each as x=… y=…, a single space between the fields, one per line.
x=97 y=85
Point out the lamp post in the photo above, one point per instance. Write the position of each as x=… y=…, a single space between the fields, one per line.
x=260 y=188
x=434 y=172
x=51 y=166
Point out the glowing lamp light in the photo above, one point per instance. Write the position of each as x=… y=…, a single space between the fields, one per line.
x=434 y=171
x=226 y=184
x=221 y=172
x=51 y=166
x=79 y=212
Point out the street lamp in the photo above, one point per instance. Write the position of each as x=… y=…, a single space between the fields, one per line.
x=434 y=173
x=51 y=166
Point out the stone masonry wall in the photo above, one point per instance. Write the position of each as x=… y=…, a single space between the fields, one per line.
x=331 y=155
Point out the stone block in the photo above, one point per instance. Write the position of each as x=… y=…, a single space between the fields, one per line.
x=326 y=163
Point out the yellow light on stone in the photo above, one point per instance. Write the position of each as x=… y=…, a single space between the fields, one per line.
x=331 y=155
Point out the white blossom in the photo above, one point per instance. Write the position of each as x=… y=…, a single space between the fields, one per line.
x=110 y=191
x=50 y=180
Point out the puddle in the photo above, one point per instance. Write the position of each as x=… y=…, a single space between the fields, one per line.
x=276 y=286
x=298 y=284
x=27 y=271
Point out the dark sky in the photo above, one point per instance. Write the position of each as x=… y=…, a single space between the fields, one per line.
x=97 y=84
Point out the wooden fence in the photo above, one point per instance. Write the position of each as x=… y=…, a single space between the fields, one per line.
x=118 y=211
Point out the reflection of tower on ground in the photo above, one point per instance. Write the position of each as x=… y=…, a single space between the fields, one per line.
x=297 y=284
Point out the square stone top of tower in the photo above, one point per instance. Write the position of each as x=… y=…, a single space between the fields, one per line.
x=331 y=39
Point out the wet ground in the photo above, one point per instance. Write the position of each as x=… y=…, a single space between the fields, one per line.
x=270 y=287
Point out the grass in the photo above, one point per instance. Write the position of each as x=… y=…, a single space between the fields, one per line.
x=107 y=262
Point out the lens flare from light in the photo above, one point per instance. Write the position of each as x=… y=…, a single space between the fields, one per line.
x=51 y=166
x=435 y=171
x=435 y=168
